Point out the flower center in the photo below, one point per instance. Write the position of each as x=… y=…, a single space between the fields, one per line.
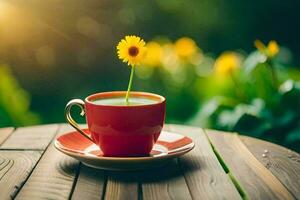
x=133 y=51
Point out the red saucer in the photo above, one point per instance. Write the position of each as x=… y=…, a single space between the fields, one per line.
x=169 y=145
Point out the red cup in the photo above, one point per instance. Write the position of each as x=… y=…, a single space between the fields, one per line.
x=121 y=131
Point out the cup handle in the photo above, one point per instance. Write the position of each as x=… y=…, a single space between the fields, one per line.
x=71 y=121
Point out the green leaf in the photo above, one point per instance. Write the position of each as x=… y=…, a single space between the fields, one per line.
x=253 y=60
x=246 y=118
x=252 y=125
x=293 y=135
x=207 y=114
x=14 y=101
x=288 y=86
x=290 y=96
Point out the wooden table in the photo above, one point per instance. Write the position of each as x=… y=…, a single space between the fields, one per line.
x=221 y=166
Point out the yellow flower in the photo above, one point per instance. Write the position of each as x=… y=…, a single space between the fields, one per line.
x=170 y=60
x=154 y=54
x=227 y=63
x=260 y=46
x=185 y=47
x=271 y=50
x=131 y=50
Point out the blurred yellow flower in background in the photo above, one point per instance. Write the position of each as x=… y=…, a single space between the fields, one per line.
x=185 y=47
x=154 y=54
x=260 y=46
x=227 y=62
x=271 y=50
x=131 y=50
x=170 y=59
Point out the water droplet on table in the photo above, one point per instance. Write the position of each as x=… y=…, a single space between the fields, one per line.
x=264 y=155
x=266 y=151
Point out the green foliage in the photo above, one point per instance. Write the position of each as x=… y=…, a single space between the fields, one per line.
x=269 y=107
x=14 y=102
x=256 y=95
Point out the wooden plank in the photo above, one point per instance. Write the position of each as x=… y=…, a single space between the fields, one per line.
x=203 y=173
x=162 y=183
x=255 y=179
x=282 y=162
x=33 y=137
x=54 y=175
x=121 y=186
x=90 y=184
x=166 y=182
x=15 y=167
x=4 y=133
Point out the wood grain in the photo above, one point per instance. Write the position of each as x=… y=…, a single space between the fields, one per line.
x=53 y=177
x=121 y=186
x=257 y=181
x=90 y=184
x=196 y=175
x=282 y=162
x=34 y=137
x=165 y=183
x=203 y=173
x=4 y=133
x=15 y=167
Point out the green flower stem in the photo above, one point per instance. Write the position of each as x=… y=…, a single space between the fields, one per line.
x=129 y=85
x=273 y=73
x=238 y=89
